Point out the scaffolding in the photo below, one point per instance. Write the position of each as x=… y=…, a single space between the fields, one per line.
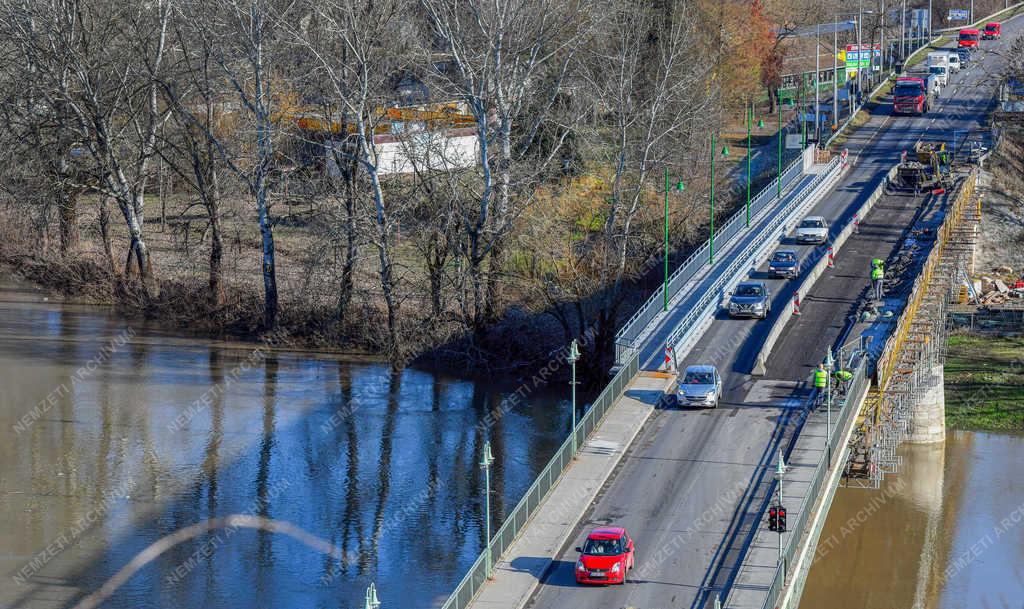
x=905 y=369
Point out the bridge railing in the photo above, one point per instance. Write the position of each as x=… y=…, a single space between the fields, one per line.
x=627 y=336
x=546 y=479
x=836 y=446
x=709 y=301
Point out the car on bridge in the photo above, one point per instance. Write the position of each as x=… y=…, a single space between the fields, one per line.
x=699 y=385
x=785 y=264
x=605 y=557
x=812 y=229
x=750 y=299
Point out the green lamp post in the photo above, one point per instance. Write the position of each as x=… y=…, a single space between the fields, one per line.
x=711 y=238
x=485 y=463
x=680 y=187
x=574 y=356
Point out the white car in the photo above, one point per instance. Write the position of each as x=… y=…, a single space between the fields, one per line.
x=812 y=229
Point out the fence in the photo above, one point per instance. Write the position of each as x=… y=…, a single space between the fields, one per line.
x=627 y=336
x=517 y=519
x=858 y=389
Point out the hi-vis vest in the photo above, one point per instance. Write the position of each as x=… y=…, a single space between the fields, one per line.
x=820 y=378
x=877 y=273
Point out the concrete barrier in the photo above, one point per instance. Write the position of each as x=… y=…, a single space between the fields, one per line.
x=819 y=268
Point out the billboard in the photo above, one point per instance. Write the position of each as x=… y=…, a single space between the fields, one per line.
x=860 y=56
x=958 y=14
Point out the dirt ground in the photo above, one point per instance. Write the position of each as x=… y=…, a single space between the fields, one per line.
x=1001 y=239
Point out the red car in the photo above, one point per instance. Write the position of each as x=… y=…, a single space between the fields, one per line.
x=605 y=557
x=993 y=31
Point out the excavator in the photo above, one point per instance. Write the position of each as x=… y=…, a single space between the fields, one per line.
x=927 y=169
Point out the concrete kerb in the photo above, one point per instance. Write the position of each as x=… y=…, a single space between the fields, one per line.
x=808 y=282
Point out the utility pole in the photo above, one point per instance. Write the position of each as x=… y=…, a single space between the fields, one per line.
x=903 y=34
x=750 y=117
x=835 y=72
x=817 y=74
x=860 y=50
x=665 y=284
x=881 y=39
x=778 y=108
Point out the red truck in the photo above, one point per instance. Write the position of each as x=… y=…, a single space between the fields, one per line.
x=993 y=31
x=969 y=38
x=910 y=96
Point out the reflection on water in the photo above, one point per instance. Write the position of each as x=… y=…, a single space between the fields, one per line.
x=946 y=532
x=107 y=446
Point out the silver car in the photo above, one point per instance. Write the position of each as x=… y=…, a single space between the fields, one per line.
x=750 y=299
x=699 y=386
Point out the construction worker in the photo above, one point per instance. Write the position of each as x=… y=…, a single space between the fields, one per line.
x=820 y=383
x=842 y=380
x=877 y=277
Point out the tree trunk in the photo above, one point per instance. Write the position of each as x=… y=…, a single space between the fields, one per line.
x=348 y=266
x=67 y=208
x=105 y=235
x=216 y=294
x=493 y=299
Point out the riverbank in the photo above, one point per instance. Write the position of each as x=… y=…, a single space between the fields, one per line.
x=985 y=383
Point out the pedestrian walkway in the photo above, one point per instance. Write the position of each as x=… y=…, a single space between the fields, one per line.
x=519 y=571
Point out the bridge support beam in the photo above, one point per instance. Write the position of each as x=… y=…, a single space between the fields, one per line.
x=928 y=412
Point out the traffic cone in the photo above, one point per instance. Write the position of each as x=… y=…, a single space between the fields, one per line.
x=796 y=303
x=831 y=258
x=668 y=359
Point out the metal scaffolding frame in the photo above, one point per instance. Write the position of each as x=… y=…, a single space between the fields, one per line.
x=917 y=345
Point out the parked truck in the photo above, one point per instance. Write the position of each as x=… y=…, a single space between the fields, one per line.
x=911 y=96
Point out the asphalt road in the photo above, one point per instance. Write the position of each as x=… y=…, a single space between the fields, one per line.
x=689 y=488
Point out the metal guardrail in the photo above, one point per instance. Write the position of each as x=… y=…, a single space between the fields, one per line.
x=712 y=295
x=634 y=327
x=858 y=388
x=546 y=479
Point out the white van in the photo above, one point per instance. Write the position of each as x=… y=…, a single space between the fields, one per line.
x=938 y=65
x=954 y=61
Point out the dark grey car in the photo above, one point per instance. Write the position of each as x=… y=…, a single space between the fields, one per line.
x=750 y=299
x=785 y=263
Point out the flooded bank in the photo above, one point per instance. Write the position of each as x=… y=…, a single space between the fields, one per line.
x=946 y=532
x=113 y=435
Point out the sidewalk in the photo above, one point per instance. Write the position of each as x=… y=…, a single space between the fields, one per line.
x=518 y=572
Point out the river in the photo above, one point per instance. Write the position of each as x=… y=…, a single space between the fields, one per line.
x=115 y=434
x=946 y=532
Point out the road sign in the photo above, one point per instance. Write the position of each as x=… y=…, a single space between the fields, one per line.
x=958 y=14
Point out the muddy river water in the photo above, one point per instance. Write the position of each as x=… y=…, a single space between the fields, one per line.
x=113 y=435
x=946 y=532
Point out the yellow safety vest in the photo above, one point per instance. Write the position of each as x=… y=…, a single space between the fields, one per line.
x=820 y=378
x=877 y=273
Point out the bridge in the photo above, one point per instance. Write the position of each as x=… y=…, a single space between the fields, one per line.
x=693 y=486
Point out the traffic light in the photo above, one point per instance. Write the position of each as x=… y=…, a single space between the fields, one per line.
x=773 y=518
x=782 y=519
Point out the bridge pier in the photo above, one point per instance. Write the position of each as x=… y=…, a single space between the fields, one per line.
x=928 y=412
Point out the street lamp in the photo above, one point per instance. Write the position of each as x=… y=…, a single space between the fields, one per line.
x=485 y=462
x=371 y=598
x=780 y=472
x=574 y=356
x=711 y=239
x=680 y=187
x=829 y=366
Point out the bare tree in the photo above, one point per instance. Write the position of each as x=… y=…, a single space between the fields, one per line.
x=357 y=52
x=508 y=62
x=91 y=63
x=651 y=111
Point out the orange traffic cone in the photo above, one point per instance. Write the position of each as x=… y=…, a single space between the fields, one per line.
x=796 y=303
